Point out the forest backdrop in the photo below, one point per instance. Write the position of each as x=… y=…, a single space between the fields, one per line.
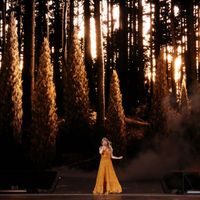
x=74 y=71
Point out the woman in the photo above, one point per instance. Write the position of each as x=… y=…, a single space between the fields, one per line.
x=107 y=181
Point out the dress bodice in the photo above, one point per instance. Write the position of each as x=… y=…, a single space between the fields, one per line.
x=106 y=154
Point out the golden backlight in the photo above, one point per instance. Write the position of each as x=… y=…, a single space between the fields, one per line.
x=106 y=11
x=178 y=63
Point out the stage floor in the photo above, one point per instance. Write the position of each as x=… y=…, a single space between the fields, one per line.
x=97 y=197
x=75 y=185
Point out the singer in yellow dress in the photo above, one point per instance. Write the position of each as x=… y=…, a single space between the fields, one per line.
x=107 y=181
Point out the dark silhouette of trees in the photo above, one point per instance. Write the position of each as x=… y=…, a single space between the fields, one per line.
x=174 y=54
x=70 y=22
x=122 y=64
x=100 y=69
x=29 y=61
x=141 y=72
x=41 y=27
x=191 y=70
x=87 y=51
x=3 y=11
x=158 y=34
x=58 y=37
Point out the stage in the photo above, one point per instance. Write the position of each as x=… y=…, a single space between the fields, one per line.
x=97 y=197
x=77 y=185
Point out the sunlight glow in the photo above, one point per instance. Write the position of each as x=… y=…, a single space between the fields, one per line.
x=178 y=63
x=21 y=65
x=151 y=75
x=79 y=23
x=116 y=17
x=93 y=38
x=21 y=62
x=169 y=58
x=176 y=11
x=146 y=22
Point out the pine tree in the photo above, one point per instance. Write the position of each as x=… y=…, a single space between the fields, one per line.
x=45 y=120
x=3 y=91
x=115 y=117
x=76 y=91
x=184 y=100
x=11 y=87
x=160 y=104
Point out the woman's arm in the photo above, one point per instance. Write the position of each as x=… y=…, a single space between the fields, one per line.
x=115 y=157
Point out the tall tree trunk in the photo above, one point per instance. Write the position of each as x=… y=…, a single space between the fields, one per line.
x=183 y=47
x=29 y=61
x=134 y=35
x=157 y=29
x=64 y=33
x=151 y=57
x=112 y=41
x=191 y=70
x=100 y=69
x=3 y=25
x=123 y=51
x=19 y=26
x=108 y=52
x=141 y=89
x=41 y=29
x=47 y=21
x=130 y=47
x=71 y=23
x=58 y=54
x=173 y=82
x=87 y=50
x=199 y=44
x=111 y=48
x=133 y=56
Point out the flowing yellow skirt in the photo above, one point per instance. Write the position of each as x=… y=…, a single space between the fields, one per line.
x=107 y=181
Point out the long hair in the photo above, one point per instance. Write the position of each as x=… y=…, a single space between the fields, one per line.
x=108 y=142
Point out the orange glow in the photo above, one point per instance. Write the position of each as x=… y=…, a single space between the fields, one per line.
x=178 y=63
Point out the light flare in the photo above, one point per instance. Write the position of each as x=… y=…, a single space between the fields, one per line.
x=93 y=38
x=177 y=73
x=176 y=11
x=116 y=16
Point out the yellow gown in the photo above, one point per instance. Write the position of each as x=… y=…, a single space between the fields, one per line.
x=106 y=181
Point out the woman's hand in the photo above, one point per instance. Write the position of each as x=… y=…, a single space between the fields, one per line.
x=102 y=149
x=117 y=158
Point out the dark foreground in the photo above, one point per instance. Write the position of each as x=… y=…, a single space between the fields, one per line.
x=97 y=197
x=78 y=185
